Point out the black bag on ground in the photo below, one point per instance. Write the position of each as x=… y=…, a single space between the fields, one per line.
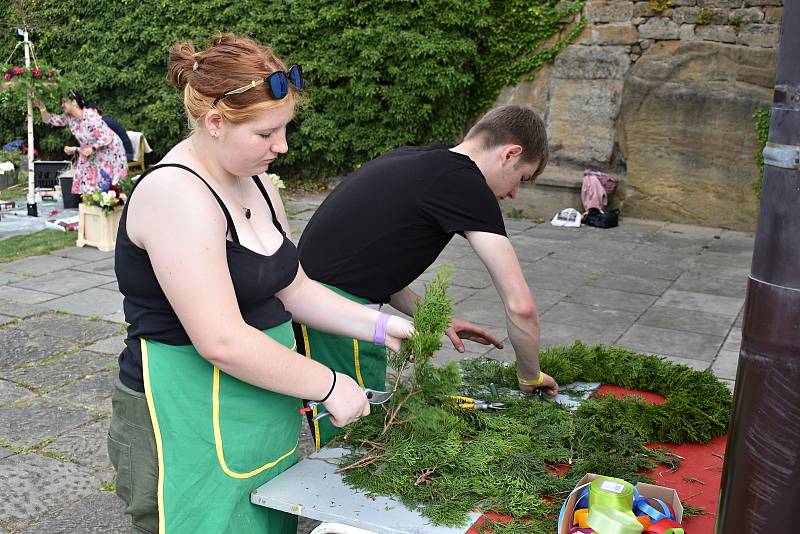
x=599 y=219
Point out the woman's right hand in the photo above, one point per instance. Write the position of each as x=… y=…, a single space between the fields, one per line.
x=39 y=104
x=347 y=402
x=70 y=150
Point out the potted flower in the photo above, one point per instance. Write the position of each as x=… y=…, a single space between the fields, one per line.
x=98 y=216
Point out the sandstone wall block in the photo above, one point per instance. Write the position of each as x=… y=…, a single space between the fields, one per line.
x=720 y=34
x=728 y=4
x=609 y=11
x=615 y=34
x=533 y=93
x=750 y=14
x=686 y=33
x=686 y=131
x=592 y=62
x=764 y=35
x=686 y=15
x=773 y=15
x=659 y=28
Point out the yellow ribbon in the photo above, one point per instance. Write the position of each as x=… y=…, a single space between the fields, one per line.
x=611 y=507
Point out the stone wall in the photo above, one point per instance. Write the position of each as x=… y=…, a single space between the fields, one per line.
x=664 y=97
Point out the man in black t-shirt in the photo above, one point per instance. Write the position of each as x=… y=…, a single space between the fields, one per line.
x=387 y=222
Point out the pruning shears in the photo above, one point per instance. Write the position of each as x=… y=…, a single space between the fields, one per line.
x=373 y=397
x=468 y=403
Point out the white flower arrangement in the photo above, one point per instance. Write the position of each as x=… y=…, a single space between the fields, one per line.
x=276 y=181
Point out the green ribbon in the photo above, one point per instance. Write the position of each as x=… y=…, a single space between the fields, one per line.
x=611 y=507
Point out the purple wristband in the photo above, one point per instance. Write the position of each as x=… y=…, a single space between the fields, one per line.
x=380 y=328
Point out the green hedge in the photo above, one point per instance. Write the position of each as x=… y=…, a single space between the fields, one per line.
x=381 y=73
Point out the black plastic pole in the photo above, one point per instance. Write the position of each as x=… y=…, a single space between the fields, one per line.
x=761 y=476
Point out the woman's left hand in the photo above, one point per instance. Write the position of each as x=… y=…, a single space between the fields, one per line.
x=397 y=329
x=86 y=151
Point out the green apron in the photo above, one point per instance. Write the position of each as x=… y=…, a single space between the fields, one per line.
x=218 y=439
x=365 y=362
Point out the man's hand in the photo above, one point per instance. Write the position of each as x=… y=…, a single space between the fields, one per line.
x=464 y=330
x=70 y=150
x=548 y=386
x=86 y=151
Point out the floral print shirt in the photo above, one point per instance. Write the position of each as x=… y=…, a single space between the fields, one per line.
x=107 y=164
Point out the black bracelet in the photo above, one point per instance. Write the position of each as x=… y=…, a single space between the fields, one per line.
x=332 y=386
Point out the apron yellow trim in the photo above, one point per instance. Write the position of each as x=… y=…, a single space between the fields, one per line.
x=307 y=346
x=357 y=364
x=218 y=439
x=157 y=433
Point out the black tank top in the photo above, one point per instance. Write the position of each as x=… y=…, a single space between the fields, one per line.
x=256 y=278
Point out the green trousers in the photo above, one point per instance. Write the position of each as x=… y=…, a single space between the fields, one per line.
x=216 y=439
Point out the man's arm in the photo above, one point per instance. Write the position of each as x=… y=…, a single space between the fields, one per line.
x=406 y=301
x=522 y=317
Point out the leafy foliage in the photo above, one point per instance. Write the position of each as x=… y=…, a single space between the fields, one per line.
x=443 y=460
x=761 y=118
x=381 y=74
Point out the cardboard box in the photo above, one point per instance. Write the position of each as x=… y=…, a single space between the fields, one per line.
x=668 y=495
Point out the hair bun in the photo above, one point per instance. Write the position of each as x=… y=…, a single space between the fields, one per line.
x=181 y=61
x=225 y=38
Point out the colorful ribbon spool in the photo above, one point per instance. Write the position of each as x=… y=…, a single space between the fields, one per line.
x=581 y=518
x=611 y=507
x=665 y=526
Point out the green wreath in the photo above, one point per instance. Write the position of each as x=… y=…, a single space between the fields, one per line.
x=444 y=461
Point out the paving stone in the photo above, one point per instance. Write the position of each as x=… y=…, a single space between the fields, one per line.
x=27 y=423
x=469 y=279
x=697 y=365
x=20 y=347
x=733 y=342
x=93 y=391
x=733 y=243
x=490 y=312
x=98 y=513
x=10 y=392
x=739 y=318
x=656 y=269
x=19 y=309
x=697 y=283
x=719 y=258
x=5 y=453
x=85 y=254
x=738 y=274
x=6 y=319
x=559 y=233
x=92 y=302
x=653 y=340
x=111 y=286
x=687 y=300
x=86 y=444
x=38 y=265
x=611 y=299
x=448 y=354
x=110 y=345
x=10 y=278
x=70 y=327
x=586 y=315
x=506 y=354
x=116 y=317
x=725 y=364
x=64 y=282
x=105 y=267
x=517 y=226
x=544 y=298
x=55 y=374
x=528 y=248
x=26 y=296
x=687 y=320
x=33 y=486
x=555 y=275
x=634 y=284
x=563 y=334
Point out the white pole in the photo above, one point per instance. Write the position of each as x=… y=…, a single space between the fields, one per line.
x=31 y=192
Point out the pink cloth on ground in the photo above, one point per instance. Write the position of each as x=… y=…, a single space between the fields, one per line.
x=593 y=194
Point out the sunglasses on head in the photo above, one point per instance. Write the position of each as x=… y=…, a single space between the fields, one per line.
x=277 y=83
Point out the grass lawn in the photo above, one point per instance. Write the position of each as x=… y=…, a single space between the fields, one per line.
x=15 y=191
x=43 y=242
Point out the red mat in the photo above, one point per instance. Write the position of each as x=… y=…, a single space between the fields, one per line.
x=697 y=480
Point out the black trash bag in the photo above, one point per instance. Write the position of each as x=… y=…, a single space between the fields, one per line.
x=600 y=219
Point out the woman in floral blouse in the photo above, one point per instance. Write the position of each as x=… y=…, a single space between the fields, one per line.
x=101 y=155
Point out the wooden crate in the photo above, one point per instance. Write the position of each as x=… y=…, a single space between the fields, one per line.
x=96 y=228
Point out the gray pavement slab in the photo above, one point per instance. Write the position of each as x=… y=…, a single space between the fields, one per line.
x=658 y=269
x=9 y=278
x=27 y=296
x=86 y=444
x=5 y=453
x=6 y=319
x=29 y=421
x=733 y=243
x=19 y=309
x=97 y=513
x=10 y=392
x=690 y=300
x=57 y=373
x=737 y=274
x=611 y=299
x=559 y=233
x=725 y=364
x=570 y=313
x=32 y=486
x=116 y=317
x=94 y=391
x=697 y=365
x=734 y=340
x=741 y=261
x=686 y=320
x=634 y=284
x=64 y=282
x=39 y=265
x=485 y=312
x=70 y=327
x=110 y=345
x=85 y=254
x=698 y=283
x=105 y=267
x=94 y=302
x=653 y=340
x=20 y=347
x=563 y=334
